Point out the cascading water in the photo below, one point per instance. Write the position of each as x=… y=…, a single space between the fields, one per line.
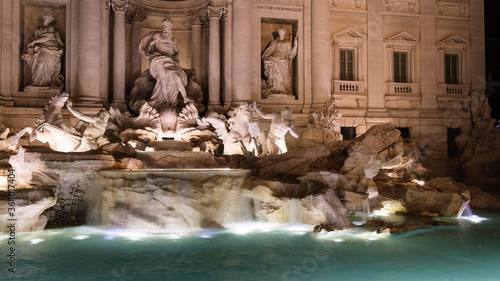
x=295 y=215
x=366 y=209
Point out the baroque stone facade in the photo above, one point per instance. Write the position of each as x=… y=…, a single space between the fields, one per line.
x=409 y=63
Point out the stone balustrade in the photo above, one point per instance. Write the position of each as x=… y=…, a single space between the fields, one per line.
x=354 y=87
x=401 y=88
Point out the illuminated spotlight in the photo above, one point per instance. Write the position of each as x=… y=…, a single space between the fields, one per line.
x=35 y=241
x=419 y=182
x=81 y=237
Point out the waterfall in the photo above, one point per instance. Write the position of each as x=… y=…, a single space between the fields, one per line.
x=245 y=210
x=366 y=208
x=295 y=211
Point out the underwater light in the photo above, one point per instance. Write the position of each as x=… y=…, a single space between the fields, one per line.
x=35 y=241
x=338 y=240
x=81 y=237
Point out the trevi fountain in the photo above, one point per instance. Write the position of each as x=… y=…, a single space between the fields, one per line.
x=165 y=185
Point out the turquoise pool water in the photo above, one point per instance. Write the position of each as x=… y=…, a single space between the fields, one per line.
x=257 y=251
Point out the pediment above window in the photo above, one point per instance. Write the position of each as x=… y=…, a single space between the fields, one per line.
x=347 y=36
x=453 y=41
x=402 y=39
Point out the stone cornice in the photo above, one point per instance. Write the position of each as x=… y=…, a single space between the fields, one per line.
x=400 y=16
x=168 y=8
x=281 y=5
x=348 y=12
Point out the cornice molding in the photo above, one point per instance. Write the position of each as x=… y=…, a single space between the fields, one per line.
x=168 y=8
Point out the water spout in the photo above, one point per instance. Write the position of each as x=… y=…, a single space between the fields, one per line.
x=466 y=210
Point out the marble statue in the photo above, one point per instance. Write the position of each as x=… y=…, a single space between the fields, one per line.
x=7 y=144
x=44 y=53
x=160 y=48
x=329 y=119
x=277 y=57
x=238 y=133
x=50 y=128
x=282 y=123
x=92 y=137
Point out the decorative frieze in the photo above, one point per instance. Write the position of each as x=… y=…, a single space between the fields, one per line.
x=171 y=8
x=460 y=4
x=281 y=5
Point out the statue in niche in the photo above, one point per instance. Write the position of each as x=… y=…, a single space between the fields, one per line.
x=50 y=128
x=276 y=58
x=160 y=48
x=165 y=85
x=282 y=123
x=44 y=53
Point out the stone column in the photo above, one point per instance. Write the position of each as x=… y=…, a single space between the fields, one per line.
x=375 y=84
x=320 y=33
x=242 y=51
x=214 y=14
x=136 y=18
x=196 y=22
x=120 y=7
x=6 y=24
x=89 y=49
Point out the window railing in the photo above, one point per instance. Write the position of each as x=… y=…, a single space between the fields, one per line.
x=453 y=90
x=348 y=86
x=402 y=88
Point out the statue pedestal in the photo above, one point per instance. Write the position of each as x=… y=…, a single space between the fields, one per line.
x=33 y=96
x=280 y=98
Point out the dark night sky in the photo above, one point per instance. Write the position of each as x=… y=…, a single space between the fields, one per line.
x=492 y=33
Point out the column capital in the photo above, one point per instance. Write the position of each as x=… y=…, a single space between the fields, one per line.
x=216 y=12
x=119 y=5
x=198 y=18
x=135 y=15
